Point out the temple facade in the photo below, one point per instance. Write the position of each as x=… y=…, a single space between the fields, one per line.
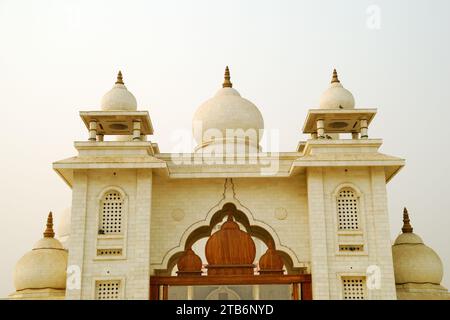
x=228 y=220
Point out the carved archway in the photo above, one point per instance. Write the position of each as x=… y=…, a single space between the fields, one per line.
x=205 y=231
x=257 y=228
x=230 y=254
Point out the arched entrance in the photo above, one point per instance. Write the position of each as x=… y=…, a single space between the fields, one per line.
x=230 y=254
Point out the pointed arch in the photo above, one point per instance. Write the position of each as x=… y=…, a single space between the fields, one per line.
x=203 y=228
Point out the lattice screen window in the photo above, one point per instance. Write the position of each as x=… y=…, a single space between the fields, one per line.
x=351 y=248
x=111 y=213
x=353 y=288
x=109 y=252
x=107 y=290
x=347 y=210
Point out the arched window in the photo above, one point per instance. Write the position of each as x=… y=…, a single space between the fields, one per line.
x=347 y=210
x=111 y=213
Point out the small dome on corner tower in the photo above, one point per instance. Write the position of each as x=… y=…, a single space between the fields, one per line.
x=336 y=96
x=119 y=98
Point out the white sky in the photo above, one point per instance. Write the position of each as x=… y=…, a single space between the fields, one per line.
x=60 y=57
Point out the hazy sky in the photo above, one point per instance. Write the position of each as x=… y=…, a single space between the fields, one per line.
x=60 y=57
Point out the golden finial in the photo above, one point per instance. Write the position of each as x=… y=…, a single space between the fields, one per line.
x=227 y=83
x=335 y=77
x=119 y=78
x=49 y=233
x=407 y=228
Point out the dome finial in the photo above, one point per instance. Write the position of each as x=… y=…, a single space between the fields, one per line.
x=49 y=233
x=227 y=83
x=407 y=228
x=335 y=77
x=119 y=78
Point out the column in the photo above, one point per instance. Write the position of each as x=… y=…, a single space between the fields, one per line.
x=364 y=129
x=77 y=236
x=379 y=238
x=136 y=130
x=190 y=293
x=138 y=258
x=93 y=130
x=318 y=234
x=320 y=129
x=255 y=292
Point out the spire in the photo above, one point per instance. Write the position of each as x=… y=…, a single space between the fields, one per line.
x=227 y=83
x=49 y=233
x=335 y=77
x=407 y=228
x=119 y=78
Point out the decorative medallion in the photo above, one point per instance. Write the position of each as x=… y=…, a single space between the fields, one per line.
x=281 y=213
x=178 y=214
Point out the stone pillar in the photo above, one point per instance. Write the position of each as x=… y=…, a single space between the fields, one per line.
x=379 y=238
x=77 y=235
x=318 y=234
x=355 y=135
x=93 y=130
x=255 y=292
x=364 y=129
x=100 y=137
x=190 y=293
x=320 y=129
x=138 y=256
x=136 y=130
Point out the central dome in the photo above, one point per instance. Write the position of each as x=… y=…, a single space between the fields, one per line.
x=227 y=112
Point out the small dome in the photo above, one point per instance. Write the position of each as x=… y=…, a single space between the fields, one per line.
x=414 y=262
x=336 y=96
x=44 y=266
x=119 y=98
x=226 y=110
x=408 y=238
